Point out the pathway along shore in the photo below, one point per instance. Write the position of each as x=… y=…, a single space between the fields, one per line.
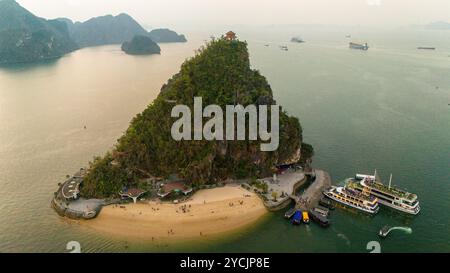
x=314 y=192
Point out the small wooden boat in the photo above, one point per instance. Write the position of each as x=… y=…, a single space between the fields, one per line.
x=323 y=211
x=297 y=218
x=326 y=203
x=306 y=217
x=290 y=213
x=319 y=219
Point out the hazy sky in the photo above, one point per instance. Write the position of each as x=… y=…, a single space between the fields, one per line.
x=251 y=12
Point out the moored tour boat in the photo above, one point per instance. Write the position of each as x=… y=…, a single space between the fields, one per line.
x=387 y=195
x=354 y=199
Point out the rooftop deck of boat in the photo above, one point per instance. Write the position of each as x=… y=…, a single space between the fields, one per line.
x=393 y=191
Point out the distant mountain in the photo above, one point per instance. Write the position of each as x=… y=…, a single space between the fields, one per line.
x=438 y=25
x=25 y=37
x=69 y=23
x=141 y=45
x=105 y=30
x=164 y=35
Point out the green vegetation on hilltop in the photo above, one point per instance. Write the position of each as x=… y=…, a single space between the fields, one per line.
x=307 y=152
x=220 y=73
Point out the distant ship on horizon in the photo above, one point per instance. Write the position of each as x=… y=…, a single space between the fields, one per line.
x=297 y=40
x=426 y=48
x=359 y=46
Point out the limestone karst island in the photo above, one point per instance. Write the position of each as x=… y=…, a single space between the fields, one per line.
x=172 y=188
x=195 y=126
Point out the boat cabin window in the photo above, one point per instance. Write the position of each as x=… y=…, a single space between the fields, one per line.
x=412 y=204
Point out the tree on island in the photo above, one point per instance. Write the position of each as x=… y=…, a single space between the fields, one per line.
x=275 y=196
x=214 y=73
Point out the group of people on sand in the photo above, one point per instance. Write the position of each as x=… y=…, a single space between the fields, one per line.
x=231 y=204
x=155 y=209
x=185 y=209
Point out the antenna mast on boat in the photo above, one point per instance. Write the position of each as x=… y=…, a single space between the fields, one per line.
x=390 y=182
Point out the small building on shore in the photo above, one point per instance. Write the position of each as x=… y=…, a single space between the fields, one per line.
x=177 y=187
x=132 y=193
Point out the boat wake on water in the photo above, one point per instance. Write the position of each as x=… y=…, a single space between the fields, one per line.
x=385 y=231
x=308 y=229
x=345 y=238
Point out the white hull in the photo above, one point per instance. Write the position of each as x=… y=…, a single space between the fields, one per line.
x=373 y=212
x=396 y=207
x=381 y=197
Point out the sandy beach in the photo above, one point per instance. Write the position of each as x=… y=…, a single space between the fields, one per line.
x=208 y=212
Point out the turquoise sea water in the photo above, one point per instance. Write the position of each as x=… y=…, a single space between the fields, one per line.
x=385 y=109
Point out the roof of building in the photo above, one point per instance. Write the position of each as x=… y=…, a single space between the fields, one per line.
x=132 y=192
x=175 y=186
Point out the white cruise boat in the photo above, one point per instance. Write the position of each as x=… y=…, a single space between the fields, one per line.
x=387 y=195
x=354 y=199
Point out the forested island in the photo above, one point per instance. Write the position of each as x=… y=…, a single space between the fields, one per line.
x=164 y=35
x=141 y=45
x=26 y=38
x=147 y=149
x=104 y=30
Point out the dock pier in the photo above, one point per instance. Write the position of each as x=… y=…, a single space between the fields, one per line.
x=311 y=197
